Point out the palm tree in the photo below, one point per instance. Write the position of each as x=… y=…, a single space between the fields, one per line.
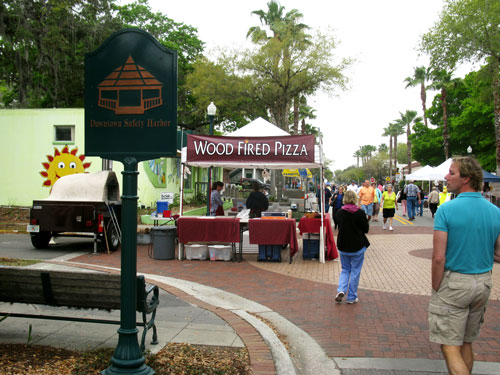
x=397 y=128
x=441 y=80
x=278 y=22
x=282 y=26
x=357 y=155
x=407 y=119
x=382 y=147
x=420 y=76
x=388 y=133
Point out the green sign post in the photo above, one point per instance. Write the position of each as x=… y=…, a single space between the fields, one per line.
x=130 y=116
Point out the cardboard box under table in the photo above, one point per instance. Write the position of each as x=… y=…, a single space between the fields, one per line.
x=312 y=225
x=274 y=232
x=208 y=229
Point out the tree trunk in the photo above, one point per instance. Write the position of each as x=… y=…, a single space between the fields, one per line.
x=496 y=100
x=423 y=96
x=408 y=147
x=303 y=130
x=296 y=115
x=395 y=154
x=390 y=156
x=445 y=124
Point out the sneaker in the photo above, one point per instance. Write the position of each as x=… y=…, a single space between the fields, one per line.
x=390 y=228
x=339 y=296
x=353 y=301
x=384 y=227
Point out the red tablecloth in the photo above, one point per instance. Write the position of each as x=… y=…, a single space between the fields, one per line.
x=205 y=229
x=307 y=225
x=274 y=232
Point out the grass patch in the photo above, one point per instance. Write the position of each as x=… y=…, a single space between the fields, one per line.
x=18 y=262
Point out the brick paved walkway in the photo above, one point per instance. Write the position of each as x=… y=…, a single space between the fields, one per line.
x=390 y=321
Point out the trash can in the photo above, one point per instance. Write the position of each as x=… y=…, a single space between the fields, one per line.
x=163 y=239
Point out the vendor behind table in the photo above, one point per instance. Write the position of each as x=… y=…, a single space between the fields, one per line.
x=257 y=201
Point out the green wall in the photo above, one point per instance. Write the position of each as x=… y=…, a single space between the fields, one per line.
x=27 y=137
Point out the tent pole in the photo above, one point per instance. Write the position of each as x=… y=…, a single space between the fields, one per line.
x=322 y=197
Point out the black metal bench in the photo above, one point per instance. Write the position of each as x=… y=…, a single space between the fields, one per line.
x=77 y=290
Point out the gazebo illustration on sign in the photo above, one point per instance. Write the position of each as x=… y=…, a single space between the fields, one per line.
x=130 y=89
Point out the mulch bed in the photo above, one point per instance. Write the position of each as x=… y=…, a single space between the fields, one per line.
x=179 y=359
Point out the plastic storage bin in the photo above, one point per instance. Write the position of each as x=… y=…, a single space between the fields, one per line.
x=269 y=253
x=220 y=252
x=163 y=239
x=310 y=246
x=196 y=251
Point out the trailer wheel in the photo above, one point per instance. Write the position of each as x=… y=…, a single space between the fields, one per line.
x=40 y=240
x=113 y=237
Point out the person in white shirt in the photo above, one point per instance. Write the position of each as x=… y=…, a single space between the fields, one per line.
x=353 y=187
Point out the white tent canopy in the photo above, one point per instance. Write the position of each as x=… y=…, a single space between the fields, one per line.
x=441 y=170
x=429 y=173
x=420 y=175
x=257 y=128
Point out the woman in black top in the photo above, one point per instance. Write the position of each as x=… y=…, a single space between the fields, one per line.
x=352 y=244
x=257 y=201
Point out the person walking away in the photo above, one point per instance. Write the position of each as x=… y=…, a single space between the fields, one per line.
x=376 y=201
x=216 y=204
x=444 y=196
x=352 y=244
x=257 y=201
x=466 y=243
x=337 y=203
x=328 y=196
x=412 y=197
x=366 y=194
x=389 y=206
x=420 y=207
x=434 y=200
x=401 y=199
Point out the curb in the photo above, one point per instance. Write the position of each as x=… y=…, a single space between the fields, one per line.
x=261 y=359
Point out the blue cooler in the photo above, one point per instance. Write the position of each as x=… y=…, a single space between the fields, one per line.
x=161 y=207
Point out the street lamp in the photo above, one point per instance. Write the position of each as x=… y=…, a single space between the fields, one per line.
x=469 y=150
x=211 y=110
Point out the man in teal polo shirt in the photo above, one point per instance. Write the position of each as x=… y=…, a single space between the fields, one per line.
x=466 y=243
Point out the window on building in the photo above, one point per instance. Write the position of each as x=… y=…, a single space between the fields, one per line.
x=64 y=133
x=188 y=182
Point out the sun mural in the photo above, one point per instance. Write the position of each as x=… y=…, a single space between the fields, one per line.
x=63 y=163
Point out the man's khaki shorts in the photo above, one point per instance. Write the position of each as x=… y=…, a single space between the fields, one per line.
x=456 y=310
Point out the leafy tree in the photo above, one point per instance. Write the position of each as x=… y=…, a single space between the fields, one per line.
x=289 y=62
x=471 y=121
x=420 y=77
x=42 y=47
x=236 y=97
x=469 y=30
x=173 y=35
x=43 y=43
x=402 y=156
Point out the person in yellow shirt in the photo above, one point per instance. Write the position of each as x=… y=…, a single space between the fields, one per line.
x=389 y=206
x=444 y=196
x=366 y=199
